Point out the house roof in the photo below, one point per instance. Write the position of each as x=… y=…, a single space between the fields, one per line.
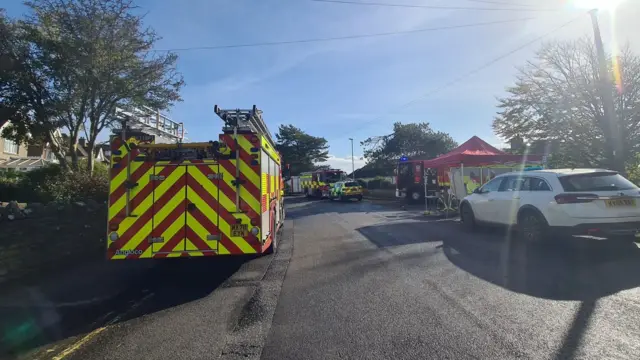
x=476 y=151
x=22 y=162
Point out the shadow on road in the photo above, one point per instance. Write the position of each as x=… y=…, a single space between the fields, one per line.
x=395 y=234
x=25 y=328
x=565 y=269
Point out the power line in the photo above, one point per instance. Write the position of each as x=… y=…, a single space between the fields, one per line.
x=348 y=37
x=499 y=3
x=478 y=69
x=433 y=7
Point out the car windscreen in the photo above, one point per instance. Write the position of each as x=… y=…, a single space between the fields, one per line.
x=351 y=184
x=333 y=177
x=601 y=181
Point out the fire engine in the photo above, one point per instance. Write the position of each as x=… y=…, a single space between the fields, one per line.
x=318 y=183
x=221 y=197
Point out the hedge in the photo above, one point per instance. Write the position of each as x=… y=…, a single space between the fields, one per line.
x=51 y=183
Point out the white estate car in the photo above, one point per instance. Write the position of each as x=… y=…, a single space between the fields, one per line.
x=573 y=201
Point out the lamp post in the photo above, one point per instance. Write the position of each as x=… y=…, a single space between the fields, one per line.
x=353 y=166
x=604 y=86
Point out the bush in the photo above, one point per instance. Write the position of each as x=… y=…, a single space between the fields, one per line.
x=51 y=183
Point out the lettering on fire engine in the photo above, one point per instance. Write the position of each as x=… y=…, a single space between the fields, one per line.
x=128 y=252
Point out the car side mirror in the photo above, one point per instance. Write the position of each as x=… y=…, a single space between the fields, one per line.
x=478 y=191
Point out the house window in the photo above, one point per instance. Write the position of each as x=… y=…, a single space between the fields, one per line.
x=10 y=147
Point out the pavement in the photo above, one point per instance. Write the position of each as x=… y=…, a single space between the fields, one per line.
x=357 y=280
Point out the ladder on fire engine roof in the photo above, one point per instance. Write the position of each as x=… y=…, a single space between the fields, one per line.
x=152 y=122
x=244 y=120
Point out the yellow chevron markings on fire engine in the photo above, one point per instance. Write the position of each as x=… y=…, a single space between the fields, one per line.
x=160 y=215
x=143 y=207
x=145 y=230
x=199 y=230
x=228 y=178
x=270 y=150
x=223 y=226
x=248 y=171
x=245 y=144
x=119 y=180
x=229 y=205
x=159 y=190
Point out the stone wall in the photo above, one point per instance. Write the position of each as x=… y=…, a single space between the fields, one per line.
x=37 y=238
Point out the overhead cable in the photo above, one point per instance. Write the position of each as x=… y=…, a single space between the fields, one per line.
x=433 y=7
x=347 y=37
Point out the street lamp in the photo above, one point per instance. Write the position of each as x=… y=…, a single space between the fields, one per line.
x=353 y=166
x=605 y=77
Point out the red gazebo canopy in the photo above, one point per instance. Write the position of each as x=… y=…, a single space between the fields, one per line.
x=476 y=152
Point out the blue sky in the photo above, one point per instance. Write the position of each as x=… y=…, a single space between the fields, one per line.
x=354 y=88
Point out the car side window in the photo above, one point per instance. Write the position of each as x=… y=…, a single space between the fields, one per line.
x=515 y=183
x=537 y=184
x=492 y=185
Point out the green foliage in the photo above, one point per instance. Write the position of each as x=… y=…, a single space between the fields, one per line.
x=73 y=62
x=300 y=150
x=556 y=99
x=415 y=140
x=52 y=183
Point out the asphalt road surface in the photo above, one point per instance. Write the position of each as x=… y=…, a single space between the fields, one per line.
x=365 y=281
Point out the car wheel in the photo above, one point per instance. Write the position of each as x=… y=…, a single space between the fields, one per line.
x=532 y=227
x=467 y=218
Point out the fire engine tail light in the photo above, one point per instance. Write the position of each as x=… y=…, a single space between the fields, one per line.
x=255 y=221
x=113 y=236
x=255 y=231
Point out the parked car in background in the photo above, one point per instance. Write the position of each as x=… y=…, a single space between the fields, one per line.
x=564 y=201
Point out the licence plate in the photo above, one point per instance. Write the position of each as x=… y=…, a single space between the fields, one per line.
x=239 y=230
x=620 y=202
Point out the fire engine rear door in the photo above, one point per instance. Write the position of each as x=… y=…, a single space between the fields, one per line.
x=168 y=234
x=202 y=225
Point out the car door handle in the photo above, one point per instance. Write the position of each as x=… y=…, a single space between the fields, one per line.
x=516 y=198
x=489 y=199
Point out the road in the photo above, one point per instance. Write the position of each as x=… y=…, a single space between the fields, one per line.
x=365 y=281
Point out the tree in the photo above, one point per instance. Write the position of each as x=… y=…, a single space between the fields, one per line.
x=415 y=140
x=29 y=95
x=300 y=151
x=100 y=58
x=556 y=100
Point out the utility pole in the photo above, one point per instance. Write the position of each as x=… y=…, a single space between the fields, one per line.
x=353 y=166
x=614 y=138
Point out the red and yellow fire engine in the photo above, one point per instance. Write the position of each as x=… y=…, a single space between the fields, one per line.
x=220 y=197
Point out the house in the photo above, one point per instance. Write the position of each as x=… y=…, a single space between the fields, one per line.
x=83 y=152
x=44 y=151
x=15 y=156
x=9 y=148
